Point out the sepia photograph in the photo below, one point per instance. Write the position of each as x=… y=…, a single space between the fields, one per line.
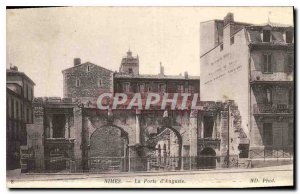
x=150 y=97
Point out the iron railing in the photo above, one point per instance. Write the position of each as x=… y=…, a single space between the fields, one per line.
x=135 y=164
x=272 y=109
x=259 y=76
x=272 y=152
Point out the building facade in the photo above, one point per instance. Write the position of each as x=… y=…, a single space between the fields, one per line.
x=254 y=66
x=19 y=96
x=76 y=135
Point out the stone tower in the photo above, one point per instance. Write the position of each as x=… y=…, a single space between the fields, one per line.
x=130 y=64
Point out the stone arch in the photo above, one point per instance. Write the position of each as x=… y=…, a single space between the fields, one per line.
x=207 y=158
x=179 y=138
x=109 y=148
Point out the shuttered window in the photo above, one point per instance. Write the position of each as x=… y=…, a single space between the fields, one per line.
x=266 y=35
x=267 y=63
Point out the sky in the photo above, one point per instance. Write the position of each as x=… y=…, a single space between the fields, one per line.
x=43 y=42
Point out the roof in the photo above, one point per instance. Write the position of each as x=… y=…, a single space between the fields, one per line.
x=86 y=63
x=22 y=74
x=273 y=25
x=149 y=76
x=218 y=20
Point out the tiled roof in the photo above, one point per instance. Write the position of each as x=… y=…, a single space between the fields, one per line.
x=149 y=76
x=273 y=25
x=86 y=63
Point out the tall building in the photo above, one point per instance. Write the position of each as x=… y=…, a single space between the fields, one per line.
x=19 y=96
x=254 y=66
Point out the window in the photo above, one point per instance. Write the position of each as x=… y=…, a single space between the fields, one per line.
x=130 y=70
x=99 y=82
x=31 y=94
x=27 y=115
x=232 y=40
x=147 y=87
x=22 y=112
x=268 y=95
x=180 y=88
x=291 y=96
x=221 y=47
x=289 y=37
x=267 y=63
x=290 y=63
x=17 y=110
x=162 y=88
x=266 y=35
x=88 y=68
x=208 y=125
x=142 y=88
x=77 y=83
x=27 y=92
x=191 y=89
x=126 y=87
x=12 y=108
x=267 y=134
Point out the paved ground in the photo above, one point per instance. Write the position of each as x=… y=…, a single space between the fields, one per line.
x=259 y=177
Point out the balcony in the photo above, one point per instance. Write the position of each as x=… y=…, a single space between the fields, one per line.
x=284 y=109
x=260 y=77
x=208 y=142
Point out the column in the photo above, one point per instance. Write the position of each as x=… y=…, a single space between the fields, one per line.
x=193 y=138
x=67 y=127
x=137 y=127
x=51 y=125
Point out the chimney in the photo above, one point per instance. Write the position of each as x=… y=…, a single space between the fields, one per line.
x=77 y=61
x=186 y=75
x=229 y=22
x=15 y=68
x=162 y=70
x=229 y=18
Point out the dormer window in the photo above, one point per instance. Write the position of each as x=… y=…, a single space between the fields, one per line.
x=266 y=35
x=88 y=68
x=289 y=37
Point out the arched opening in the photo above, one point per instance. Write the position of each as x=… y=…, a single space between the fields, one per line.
x=165 y=154
x=207 y=159
x=171 y=150
x=108 y=149
x=159 y=154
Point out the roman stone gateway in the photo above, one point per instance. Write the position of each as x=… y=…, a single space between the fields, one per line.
x=80 y=137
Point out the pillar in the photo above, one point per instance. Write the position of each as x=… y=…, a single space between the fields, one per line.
x=193 y=138
x=67 y=127
x=35 y=137
x=78 y=137
x=51 y=126
x=137 y=127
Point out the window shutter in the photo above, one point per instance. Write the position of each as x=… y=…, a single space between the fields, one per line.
x=270 y=63
x=265 y=63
